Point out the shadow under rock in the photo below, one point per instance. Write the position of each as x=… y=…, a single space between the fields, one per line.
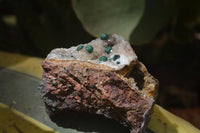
x=87 y=122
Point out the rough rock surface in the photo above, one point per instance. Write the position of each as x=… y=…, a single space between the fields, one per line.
x=87 y=87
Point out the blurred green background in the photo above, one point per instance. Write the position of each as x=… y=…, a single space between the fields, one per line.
x=165 y=35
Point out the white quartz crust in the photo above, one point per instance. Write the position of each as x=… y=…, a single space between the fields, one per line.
x=120 y=47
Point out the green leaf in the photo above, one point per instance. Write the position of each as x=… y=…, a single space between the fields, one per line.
x=102 y=16
x=136 y=20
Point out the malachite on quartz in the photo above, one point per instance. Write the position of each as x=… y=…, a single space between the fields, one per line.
x=101 y=68
x=79 y=47
x=115 y=57
x=103 y=58
x=108 y=49
x=89 y=48
x=104 y=36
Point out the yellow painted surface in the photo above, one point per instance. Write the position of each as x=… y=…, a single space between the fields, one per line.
x=12 y=121
x=20 y=63
x=161 y=122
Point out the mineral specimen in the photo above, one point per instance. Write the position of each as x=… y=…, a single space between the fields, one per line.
x=103 y=78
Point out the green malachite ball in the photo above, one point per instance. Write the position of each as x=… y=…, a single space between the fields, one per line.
x=118 y=62
x=108 y=49
x=89 y=48
x=115 y=57
x=103 y=58
x=79 y=47
x=104 y=36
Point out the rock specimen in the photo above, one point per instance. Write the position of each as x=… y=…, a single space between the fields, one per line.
x=102 y=77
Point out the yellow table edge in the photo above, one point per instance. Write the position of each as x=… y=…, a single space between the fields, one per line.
x=25 y=64
x=29 y=122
